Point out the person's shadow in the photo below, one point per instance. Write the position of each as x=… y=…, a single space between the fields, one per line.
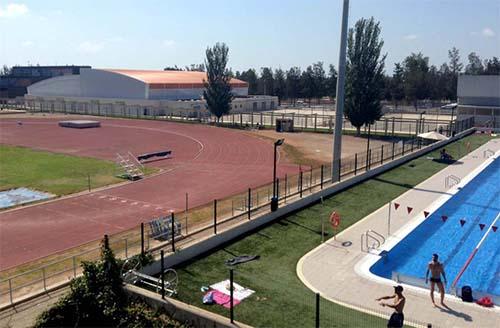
x=448 y=310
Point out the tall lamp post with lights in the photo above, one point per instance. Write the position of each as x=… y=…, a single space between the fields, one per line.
x=274 y=200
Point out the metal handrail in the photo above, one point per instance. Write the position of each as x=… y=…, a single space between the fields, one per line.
x=373 y=235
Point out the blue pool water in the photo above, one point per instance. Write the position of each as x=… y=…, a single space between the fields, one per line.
x=18 y=196
x=478 y=202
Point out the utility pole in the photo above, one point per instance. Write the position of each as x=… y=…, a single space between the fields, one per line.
x=339 y=106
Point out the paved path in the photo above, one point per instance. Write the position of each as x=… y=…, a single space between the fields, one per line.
x=332 y=269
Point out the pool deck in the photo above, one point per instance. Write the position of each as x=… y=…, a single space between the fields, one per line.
x=336 y=272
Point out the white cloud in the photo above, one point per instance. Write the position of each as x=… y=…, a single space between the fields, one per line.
x=410 y=37
x=168 y=43
x=13 y=10
x=27 y=43
x=116 y=39
x=487 y=32
x=90 y=47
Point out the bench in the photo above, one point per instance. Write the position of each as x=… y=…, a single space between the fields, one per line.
x=161 y=228
x=161 y=154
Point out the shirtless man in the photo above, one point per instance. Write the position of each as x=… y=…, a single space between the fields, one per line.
x=436 y=269
x=397 y=318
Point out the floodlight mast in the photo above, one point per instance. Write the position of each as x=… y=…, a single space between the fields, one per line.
x=339 y=105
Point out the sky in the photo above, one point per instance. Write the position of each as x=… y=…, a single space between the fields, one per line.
x=153 y=34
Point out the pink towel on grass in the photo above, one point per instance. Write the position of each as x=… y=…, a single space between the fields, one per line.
x=223 y=299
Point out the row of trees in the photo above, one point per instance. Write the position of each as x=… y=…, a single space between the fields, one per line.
x=412 y=79
x=366 y=84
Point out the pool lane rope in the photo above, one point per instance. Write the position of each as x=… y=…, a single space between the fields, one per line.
x=471 y=256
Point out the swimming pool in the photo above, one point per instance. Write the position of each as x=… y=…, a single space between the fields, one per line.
x=453 y=231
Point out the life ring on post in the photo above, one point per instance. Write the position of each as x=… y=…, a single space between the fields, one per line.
x=335 y=219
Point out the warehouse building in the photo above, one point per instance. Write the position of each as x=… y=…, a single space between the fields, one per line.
x=479 y=97
x=136 y=92
x=15 y=83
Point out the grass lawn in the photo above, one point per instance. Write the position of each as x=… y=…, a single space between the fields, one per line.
x=281 y=300
x=54 y=173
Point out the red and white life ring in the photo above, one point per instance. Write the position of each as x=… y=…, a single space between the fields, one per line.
x=335 y=219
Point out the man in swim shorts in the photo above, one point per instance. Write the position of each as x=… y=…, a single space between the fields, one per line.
x=436 y=269
x=397 y=318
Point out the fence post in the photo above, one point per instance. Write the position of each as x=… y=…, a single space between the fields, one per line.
x=393 y=150
x=74 y=266
x=355 y=163
x=231 y=305
x=142 y=238
x=241 y=119
x=382 y=155
x=311 y=180
x=215 y=216
x=278 y=188
x=249 y=202
x=10 y=291
x=369 y=159
x=187 y=212
x=411 y=150
x=173 y=231
x=315 y=121
x=300 y=184
x=321 y=181
x=162 y=265
x=393 y=126
x=317 y=310
x=286 y=185
x=43 y=277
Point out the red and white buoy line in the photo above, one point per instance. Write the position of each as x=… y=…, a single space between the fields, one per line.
x=471 y=256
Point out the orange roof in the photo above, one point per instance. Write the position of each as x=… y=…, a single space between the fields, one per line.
x=171 y=79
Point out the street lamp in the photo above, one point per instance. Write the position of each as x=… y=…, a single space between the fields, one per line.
x=274 y=200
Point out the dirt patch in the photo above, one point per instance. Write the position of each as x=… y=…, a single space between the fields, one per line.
x=316 y=148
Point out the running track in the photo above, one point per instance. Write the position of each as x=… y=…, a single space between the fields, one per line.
x=207 y=163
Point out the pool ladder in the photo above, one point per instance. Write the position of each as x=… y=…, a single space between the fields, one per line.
x=371 y=235
x=451 y=180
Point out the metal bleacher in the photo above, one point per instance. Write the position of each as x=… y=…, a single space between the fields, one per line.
x=132 y=169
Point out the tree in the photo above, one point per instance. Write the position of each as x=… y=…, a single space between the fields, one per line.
x=455 y=68
x=319 y=78
x=266 y=81
x=475 y=66
x=5 y=70
x=397 y=87
x=250 y=77
x=365 y=66
x=331 y=82
x=172 y=68
x=196 y=67
x=307 y=85
x=492 y=67
x=217 y=91
x=416 y=68
x=279 y=84
x=293 y=83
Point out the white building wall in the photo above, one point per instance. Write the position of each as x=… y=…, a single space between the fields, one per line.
x=186 y=94
x=63 y=86
x=479 y=90
x=97 y=83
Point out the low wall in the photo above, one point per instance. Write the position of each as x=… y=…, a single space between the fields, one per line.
x=182 y=312
x=213 y=242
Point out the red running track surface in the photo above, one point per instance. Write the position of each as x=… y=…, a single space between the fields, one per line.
x=208 y=163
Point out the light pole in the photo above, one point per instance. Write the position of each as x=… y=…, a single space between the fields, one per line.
x=274 y=200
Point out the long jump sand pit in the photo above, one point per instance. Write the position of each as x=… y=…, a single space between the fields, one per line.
x=316 y=148
x=207 y=163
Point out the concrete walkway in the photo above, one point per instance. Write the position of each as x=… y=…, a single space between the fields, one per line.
x=335 y=271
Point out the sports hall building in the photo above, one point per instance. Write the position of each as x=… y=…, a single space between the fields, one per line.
x=479 y=97
x=123 y=92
